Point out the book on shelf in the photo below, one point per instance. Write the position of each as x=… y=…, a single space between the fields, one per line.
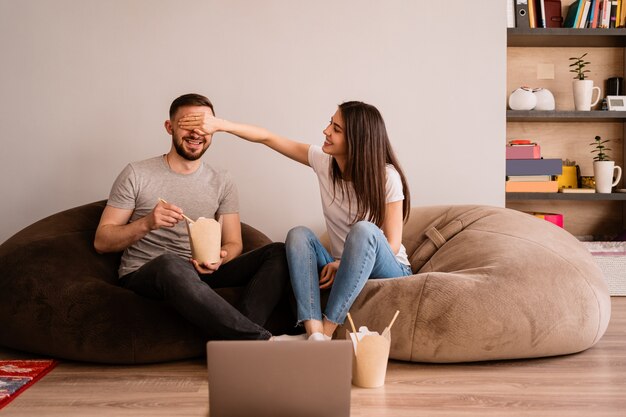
x=582 y=22
x=601 y=10
x=593 y=14
x=540 y=13
x=521 y=14
x=550 y=166
x=553 y=13
x=555 y=218
x=530 y=178
x=510 y=13
x=573 y=12
x=613 y=14
x=577 y=190
x=531 y=187
x=530 y=151
x=595 y=11
x=605 y=14
x=532 y=15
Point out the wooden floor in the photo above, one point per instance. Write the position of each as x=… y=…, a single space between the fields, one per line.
x=591 y=383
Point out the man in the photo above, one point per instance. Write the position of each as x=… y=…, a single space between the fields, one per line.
x=157 y=263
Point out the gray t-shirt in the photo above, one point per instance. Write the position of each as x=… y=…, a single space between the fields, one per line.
x=208 y=192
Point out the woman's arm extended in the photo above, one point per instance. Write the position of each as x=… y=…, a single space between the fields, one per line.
x=206 y=124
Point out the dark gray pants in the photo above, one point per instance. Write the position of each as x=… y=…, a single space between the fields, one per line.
x=263 y=272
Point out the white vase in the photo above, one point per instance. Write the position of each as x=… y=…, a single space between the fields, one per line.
x=583 y=92
x=545 y=99
x=603 y=175
x=522 y=99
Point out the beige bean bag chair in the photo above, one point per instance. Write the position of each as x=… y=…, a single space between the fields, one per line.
x=489 y=283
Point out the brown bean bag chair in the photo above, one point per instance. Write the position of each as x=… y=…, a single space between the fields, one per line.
x=489 y=283
x=58 y=297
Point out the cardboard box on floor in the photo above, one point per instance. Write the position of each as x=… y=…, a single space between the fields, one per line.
x=371 y=354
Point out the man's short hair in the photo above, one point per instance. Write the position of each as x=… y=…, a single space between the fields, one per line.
x=190 y=100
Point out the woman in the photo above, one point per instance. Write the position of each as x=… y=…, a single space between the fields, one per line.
x=365 y=201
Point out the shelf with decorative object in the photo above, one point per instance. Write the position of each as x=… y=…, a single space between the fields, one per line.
x=566 y=133
x=567 y=196
x=565 y=116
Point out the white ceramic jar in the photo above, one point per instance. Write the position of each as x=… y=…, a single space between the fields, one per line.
x=522 y=99
x=545 y=99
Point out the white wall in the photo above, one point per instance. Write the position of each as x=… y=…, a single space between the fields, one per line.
x=85 y=86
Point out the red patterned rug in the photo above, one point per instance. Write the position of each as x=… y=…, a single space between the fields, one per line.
x=16 y=376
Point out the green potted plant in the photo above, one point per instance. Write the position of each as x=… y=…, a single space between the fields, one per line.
x=579 y=65
x=600 y=149
x=603 y=166
x=583 y=87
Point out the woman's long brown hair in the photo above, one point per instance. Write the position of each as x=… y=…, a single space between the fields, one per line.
x=369 y=152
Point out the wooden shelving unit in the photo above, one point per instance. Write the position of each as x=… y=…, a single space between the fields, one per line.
x=611 y=212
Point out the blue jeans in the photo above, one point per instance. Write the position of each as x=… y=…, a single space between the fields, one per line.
x=366 y=254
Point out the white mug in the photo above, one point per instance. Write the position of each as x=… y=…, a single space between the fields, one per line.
x=603 y=173
x=583 y=92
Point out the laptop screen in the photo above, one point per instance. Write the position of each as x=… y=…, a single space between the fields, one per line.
x=279 y=378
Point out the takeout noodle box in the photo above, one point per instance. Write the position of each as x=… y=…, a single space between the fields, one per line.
x=371 y=354
x=205 y=239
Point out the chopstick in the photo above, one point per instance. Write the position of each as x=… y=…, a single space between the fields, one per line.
x=186 y=218
x=388 y=328
x=353 y=328
x=395 y=316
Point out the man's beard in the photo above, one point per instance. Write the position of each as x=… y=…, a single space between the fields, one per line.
x=180 y=150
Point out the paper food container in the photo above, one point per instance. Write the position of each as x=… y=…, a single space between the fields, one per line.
x=371 y=354
x=205 y=239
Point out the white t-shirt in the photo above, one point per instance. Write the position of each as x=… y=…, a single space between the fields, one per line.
x=338 y=213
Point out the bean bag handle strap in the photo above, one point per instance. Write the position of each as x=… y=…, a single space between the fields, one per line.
x=437 y=237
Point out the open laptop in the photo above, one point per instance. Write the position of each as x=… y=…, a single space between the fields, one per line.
x=279 y=379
